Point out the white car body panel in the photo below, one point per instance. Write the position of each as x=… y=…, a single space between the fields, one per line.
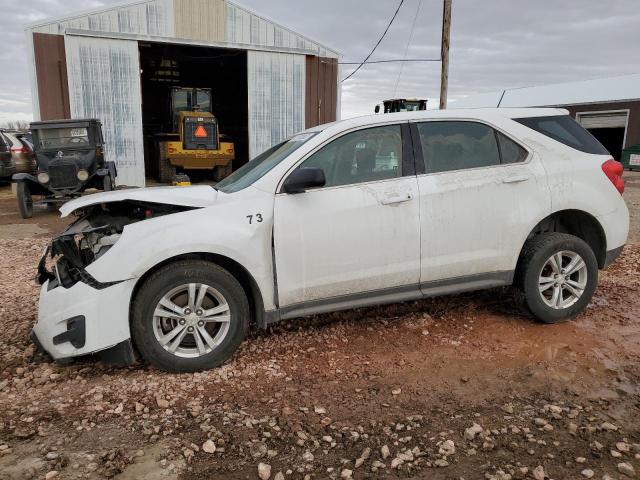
x=106 y=313
x=146 y=244
x=319 y=257
x=333 y=243
x=195 y=196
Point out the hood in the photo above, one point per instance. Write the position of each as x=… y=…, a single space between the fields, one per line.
x=196 y=196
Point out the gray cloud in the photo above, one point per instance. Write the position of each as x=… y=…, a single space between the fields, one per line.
x=495 y=43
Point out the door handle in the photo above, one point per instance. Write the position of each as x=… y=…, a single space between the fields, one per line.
x=516 y=179
x=397 y=199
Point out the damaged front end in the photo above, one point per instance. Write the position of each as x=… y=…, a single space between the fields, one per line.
x=97 y=229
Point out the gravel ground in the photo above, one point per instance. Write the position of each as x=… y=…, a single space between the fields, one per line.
x=465 y=386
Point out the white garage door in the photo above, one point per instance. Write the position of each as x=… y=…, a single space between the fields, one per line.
x=603 y=119
x=104 y=83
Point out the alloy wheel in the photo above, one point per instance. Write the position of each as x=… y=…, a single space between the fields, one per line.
x=563 y=279
x=191 y=320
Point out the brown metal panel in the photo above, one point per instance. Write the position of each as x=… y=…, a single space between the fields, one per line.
x=51 y=75
x=311 y=100
x=321 y=91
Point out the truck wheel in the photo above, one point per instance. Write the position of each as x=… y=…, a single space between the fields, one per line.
x=220 y=173
x=559 y=274
x=107 y=183
x=25 y=201
x=166 y=171
x=189 y=316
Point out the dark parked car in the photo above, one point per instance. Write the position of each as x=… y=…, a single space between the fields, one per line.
x=7 y=164
x=69 y=158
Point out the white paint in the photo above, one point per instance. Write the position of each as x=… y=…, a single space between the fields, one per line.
x=476 y=220
x=634 y=159
x=104 y=83
x=343 y=240
x=334 y=241
x=195 y=196
x=276 y=83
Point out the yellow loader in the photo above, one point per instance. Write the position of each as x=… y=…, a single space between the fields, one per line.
x=198 y=145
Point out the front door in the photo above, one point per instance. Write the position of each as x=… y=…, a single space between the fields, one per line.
x=359 y=234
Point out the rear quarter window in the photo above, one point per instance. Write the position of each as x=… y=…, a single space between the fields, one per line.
x=565 y=130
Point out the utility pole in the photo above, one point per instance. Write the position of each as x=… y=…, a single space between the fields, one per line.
x=446 y=32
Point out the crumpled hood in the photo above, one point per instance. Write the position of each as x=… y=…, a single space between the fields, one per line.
x=198 y=196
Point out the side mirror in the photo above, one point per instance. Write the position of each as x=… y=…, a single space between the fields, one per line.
x=377 y=109
x=304 y=178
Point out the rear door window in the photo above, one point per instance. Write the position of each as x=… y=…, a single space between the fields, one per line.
x=510 y=151
x=565 y=130
x=448 y=146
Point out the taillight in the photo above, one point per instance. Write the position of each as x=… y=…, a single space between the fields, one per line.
x=19 y=150
x=613 y=170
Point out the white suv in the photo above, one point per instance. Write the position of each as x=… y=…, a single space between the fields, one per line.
x=361 y=212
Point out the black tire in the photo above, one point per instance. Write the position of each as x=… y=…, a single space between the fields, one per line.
x=107 y=183
x=175 y=275
x=166 y=171
x=222 y=172
x=25 y=200
x=533 y=258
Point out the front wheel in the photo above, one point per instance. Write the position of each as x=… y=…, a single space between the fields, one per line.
x=189 y=316
x=25 y=200
x=559 y=274
x=107 y=183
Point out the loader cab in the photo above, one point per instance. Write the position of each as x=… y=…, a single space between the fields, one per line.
x=403 y=105
x=188 y=100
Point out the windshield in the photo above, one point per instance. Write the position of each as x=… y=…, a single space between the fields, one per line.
x=63 y=137
x=262 y=164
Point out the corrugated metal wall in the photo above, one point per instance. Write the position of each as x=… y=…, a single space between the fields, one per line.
x=276 y=98
x=244 y=26
x=104 y=83
x=154 y=17
x=200 y=20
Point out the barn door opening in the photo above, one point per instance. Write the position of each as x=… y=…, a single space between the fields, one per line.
x=608 y=127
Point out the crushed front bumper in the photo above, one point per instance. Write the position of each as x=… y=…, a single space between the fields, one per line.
x=82 y=320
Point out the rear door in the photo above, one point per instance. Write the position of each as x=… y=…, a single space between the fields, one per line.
x=359 y=234
x=478 y=195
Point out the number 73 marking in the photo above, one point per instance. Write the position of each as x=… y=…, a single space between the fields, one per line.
x=257 y=216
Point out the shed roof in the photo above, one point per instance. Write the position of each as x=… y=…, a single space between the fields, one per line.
x=215 y=20
x=600 y=90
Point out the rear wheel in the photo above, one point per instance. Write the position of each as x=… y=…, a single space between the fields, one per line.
x=559 y=274
x=25 y=200
x=189 y=316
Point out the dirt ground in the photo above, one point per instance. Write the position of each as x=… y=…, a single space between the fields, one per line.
x=465 y=386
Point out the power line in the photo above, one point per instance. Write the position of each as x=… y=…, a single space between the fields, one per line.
x=406 y=50
x=377 y=44
x=394 y=60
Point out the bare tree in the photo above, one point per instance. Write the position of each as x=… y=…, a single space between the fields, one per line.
x=17 y=125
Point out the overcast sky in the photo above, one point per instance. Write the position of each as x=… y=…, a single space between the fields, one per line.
x=495 y=44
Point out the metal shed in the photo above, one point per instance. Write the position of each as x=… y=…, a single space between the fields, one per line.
x=271 y=81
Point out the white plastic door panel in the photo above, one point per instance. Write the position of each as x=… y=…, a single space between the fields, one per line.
x=344 y=240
